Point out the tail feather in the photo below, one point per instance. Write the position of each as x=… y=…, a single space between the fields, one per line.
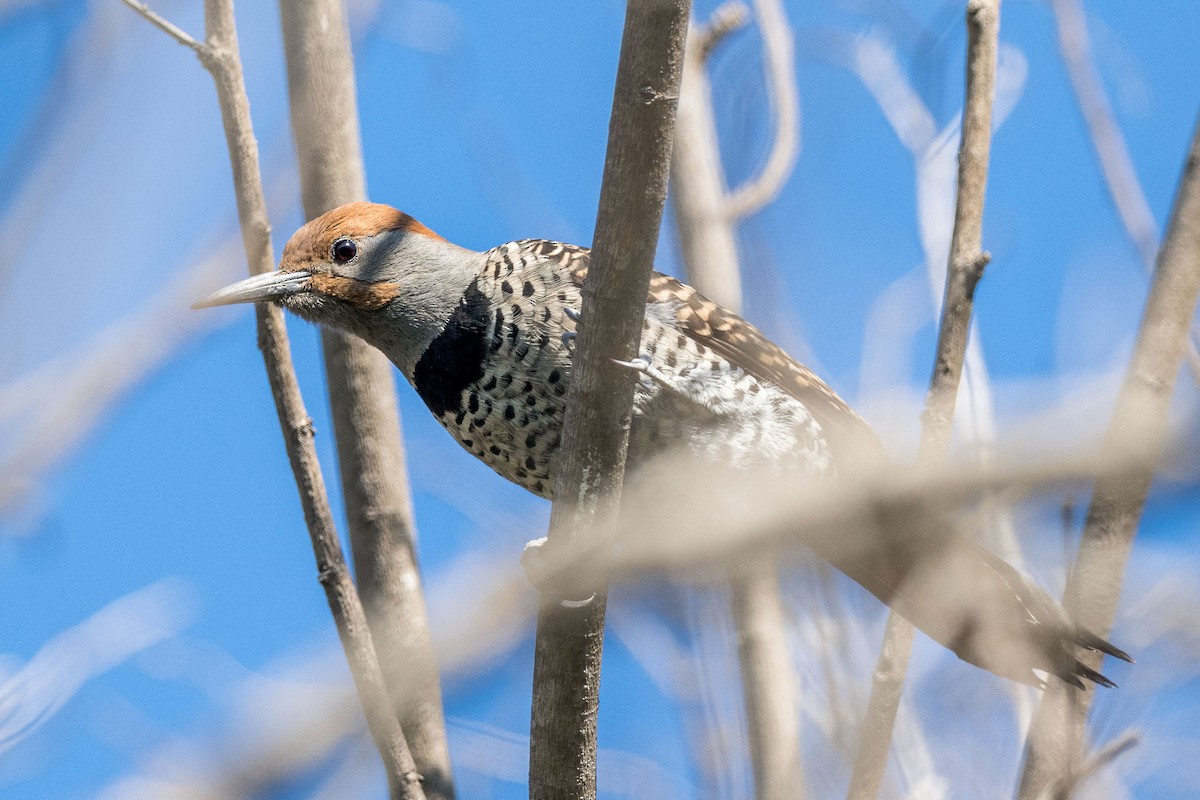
x=975 y=604
x=1091 y=641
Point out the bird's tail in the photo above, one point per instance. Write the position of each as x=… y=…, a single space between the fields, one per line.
x=975 y=604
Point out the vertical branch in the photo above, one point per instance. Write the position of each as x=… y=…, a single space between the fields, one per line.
x=362 y=395
x=1055 y=746
x=698 y=188
x=965 y=268
x=769 y=684
x=705 y=215
x=570 y=635
x=219 y=55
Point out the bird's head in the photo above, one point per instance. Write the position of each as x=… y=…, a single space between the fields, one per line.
x=368 y=269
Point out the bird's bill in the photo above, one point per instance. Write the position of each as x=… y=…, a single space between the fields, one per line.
x=268 y=286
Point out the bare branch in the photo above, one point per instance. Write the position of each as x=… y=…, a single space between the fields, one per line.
x=967 y=261
x=780 y=71
x=165 y=25
x=219 y=54
x=1098 y=761
x=730 y=17
x=698 y=189
x=66 y=397
x=566 y=679
x=769 y=684
x=362 y=396
x=1055 y=742
x=1120 y=177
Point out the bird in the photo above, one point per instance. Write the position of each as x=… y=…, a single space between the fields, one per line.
x=487 y=341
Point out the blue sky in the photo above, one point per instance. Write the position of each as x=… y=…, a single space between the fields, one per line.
x=488 y=122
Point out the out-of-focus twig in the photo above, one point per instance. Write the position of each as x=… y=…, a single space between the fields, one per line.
x=35 y=693
x=569 y=642
x=965 y=268
x=780 y=71
x=698 y=189
x=1097 y=761
x=67 y=396
x=219 y=55
x=706 y=233
x=769 y=683
x=1056 y=741
x=362 y=395
x=1116 y=165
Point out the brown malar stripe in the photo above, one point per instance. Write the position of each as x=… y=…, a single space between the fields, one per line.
x=360 y=294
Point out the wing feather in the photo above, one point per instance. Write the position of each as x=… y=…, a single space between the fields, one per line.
x=744 y=346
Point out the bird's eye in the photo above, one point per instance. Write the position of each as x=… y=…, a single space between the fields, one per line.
x=343 y=250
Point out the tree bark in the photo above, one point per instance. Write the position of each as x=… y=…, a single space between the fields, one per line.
x=362 y=395
x=570 y=635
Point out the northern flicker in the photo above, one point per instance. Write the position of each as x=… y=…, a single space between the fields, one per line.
x=485 y=338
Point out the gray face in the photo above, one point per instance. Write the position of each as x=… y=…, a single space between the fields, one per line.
x=395 y=288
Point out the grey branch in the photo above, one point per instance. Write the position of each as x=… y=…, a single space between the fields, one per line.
x=967 y=261
x=362 y=396
x=1120 y=177
x=1055 y=742
x=219 y=54
x=779 y=68
x=566 y=679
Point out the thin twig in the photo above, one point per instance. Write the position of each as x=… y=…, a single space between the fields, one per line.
x=219 y=55
x=566 y=679
x=1055 y=743
x=165 y=25
x=965 y=268
x=1098 y=761
x=362 y=396
x=779 y=68
x=1120 y=177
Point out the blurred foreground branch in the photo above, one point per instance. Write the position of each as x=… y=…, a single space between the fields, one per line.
x=965 y=268
x=720 y=517
x=1055 y=747
x=362 y=396
x=570 y=635
x=219 y=55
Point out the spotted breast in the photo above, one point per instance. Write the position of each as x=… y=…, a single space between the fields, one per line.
x=497 y=375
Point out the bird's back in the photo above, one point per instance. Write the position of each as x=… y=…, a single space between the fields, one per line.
x=497 y=376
